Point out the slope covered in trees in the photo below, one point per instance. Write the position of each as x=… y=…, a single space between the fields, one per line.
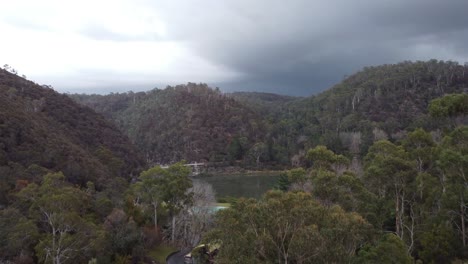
x=408 y=204
x=42 y=130
x=191 y=122
x=376 y=103
x=195 y=122
x=264 y=103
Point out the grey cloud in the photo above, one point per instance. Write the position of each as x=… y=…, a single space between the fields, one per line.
x=302 y=47
x=297 y=47
x=98 y=32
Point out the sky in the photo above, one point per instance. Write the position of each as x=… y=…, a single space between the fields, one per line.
x=294 y=47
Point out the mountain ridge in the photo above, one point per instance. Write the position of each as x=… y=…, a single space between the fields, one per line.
x=42 y=130
x=377 y=102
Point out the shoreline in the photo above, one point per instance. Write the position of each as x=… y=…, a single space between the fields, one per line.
x=241 y=173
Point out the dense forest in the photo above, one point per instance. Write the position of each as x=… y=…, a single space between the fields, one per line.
x=409 y=204
x=43 y=131
x=187 y=122
x=196 y=123
x=373 y=171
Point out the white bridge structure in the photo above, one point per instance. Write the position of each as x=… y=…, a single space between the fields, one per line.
x=195 y=166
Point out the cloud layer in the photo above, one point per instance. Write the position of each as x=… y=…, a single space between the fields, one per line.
x=297 y=47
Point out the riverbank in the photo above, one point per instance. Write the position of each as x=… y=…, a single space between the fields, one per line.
x=234 y=171
x=251 y=184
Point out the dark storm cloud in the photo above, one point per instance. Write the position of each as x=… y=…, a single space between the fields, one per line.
x=301 y=47
x=297 y=47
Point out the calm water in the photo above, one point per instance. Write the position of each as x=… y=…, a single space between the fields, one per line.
x=240 y=185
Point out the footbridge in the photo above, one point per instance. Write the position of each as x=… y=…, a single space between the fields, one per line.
x=195 y=166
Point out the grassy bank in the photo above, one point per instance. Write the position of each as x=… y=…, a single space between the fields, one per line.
x=161 y=252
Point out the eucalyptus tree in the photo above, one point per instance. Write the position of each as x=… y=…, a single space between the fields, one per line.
x=453 y=163
x=389 y=172
x=164 y=186
x=60 y=211
x=287 y=227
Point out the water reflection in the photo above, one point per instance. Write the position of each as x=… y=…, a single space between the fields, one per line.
x=240 y=185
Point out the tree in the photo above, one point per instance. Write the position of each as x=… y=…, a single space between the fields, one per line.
x=438 y=243
x=389 y=249
x=17 y=234
x=287 y=227
x=420 y=146
x=283 y=183
x=66 y=235
x=453 y=162
x=388 y=173
x=333 y=184
x=450 y=106
x=323 y=158
x=123 y=232
x=150 y=190
x=176 y=191
x=164 y=186
x=258 y=151
x=194 y=220
x=299 y=177
x=236 y=148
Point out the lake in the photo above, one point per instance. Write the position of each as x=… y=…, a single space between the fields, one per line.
x=240 y=185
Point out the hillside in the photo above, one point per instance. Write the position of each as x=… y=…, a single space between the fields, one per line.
x=196 y=123
x=42 y=130
x=187 y=122
x=266 y=103
x=378 y=102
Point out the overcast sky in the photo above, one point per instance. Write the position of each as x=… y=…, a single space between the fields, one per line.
x=297 y=47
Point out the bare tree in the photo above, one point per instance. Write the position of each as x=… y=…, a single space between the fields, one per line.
x=195 y=220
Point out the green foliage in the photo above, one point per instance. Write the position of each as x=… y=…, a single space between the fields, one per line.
x=237 y=148
x=283 y=183
x=438 y=244
x=451 y=105
x=421 y=148
x=323 y=158
x=66 y=235
x=124 y=234
x=176 y=185
x=385 y=164
x=287 y=228
x=257 y=153
x=388 y=174
x=389 y=249
x=17 y=234
x=297 y=175
x=168 y=187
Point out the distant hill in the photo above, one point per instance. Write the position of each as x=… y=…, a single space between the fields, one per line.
x=187 y=122
x=262 y=99
x=266 y=104
x=42 y=130
x=197 y=123
x=378 y=102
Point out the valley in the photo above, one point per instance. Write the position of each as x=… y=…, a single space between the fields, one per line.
x=371 y=170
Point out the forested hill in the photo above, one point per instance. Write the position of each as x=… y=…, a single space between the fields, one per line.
x=265 y=103
x=42 y=130
x=393 y=94
x=196 y=123
x=187 y=122
x=378 y=102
